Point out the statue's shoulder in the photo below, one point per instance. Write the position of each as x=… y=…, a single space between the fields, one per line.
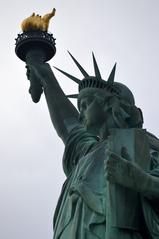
x=153 y=141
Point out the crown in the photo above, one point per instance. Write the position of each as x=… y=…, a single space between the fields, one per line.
x=97 y=82
x=92 y=81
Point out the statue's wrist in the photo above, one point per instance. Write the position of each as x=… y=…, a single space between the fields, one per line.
x=50 y=83
x=150 y=185
x=153 y=187
x=48 y=80
x=140 y=179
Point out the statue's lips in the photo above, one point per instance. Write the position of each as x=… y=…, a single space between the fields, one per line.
x=84 y=121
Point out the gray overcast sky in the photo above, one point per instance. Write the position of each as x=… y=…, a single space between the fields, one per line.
x=122 y=31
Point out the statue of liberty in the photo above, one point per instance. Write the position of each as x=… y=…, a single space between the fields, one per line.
x=111 y=163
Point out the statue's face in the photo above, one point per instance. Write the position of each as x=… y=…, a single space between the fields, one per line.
x=92 y=114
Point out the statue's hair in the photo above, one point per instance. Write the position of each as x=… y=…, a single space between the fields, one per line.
x=125 y=114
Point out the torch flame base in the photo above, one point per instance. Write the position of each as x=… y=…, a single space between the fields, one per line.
x=42 y=40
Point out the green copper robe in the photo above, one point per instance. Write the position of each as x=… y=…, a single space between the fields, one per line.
x=81 y=209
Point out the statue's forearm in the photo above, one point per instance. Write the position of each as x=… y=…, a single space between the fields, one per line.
x=143 y=182
x=151 y=188
x=60 y=108
x=130 y=175
x=62 y=112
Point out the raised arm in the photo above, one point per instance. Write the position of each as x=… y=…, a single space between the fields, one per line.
x=63 y=114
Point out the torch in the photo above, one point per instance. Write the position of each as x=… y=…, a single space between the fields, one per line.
x=35 y=45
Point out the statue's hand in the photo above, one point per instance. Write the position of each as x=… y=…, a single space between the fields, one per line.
x=40 y=76
x=40 y=73
x=36 y=88
x=118 y=169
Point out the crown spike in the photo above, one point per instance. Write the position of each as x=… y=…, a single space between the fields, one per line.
x=96 y=68
x=69 y=76
x=112 y=75
x=84 y=73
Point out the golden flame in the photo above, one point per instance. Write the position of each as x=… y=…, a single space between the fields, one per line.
x=36 y=22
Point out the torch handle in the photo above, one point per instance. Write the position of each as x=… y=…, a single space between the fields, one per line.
x=35 y=56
